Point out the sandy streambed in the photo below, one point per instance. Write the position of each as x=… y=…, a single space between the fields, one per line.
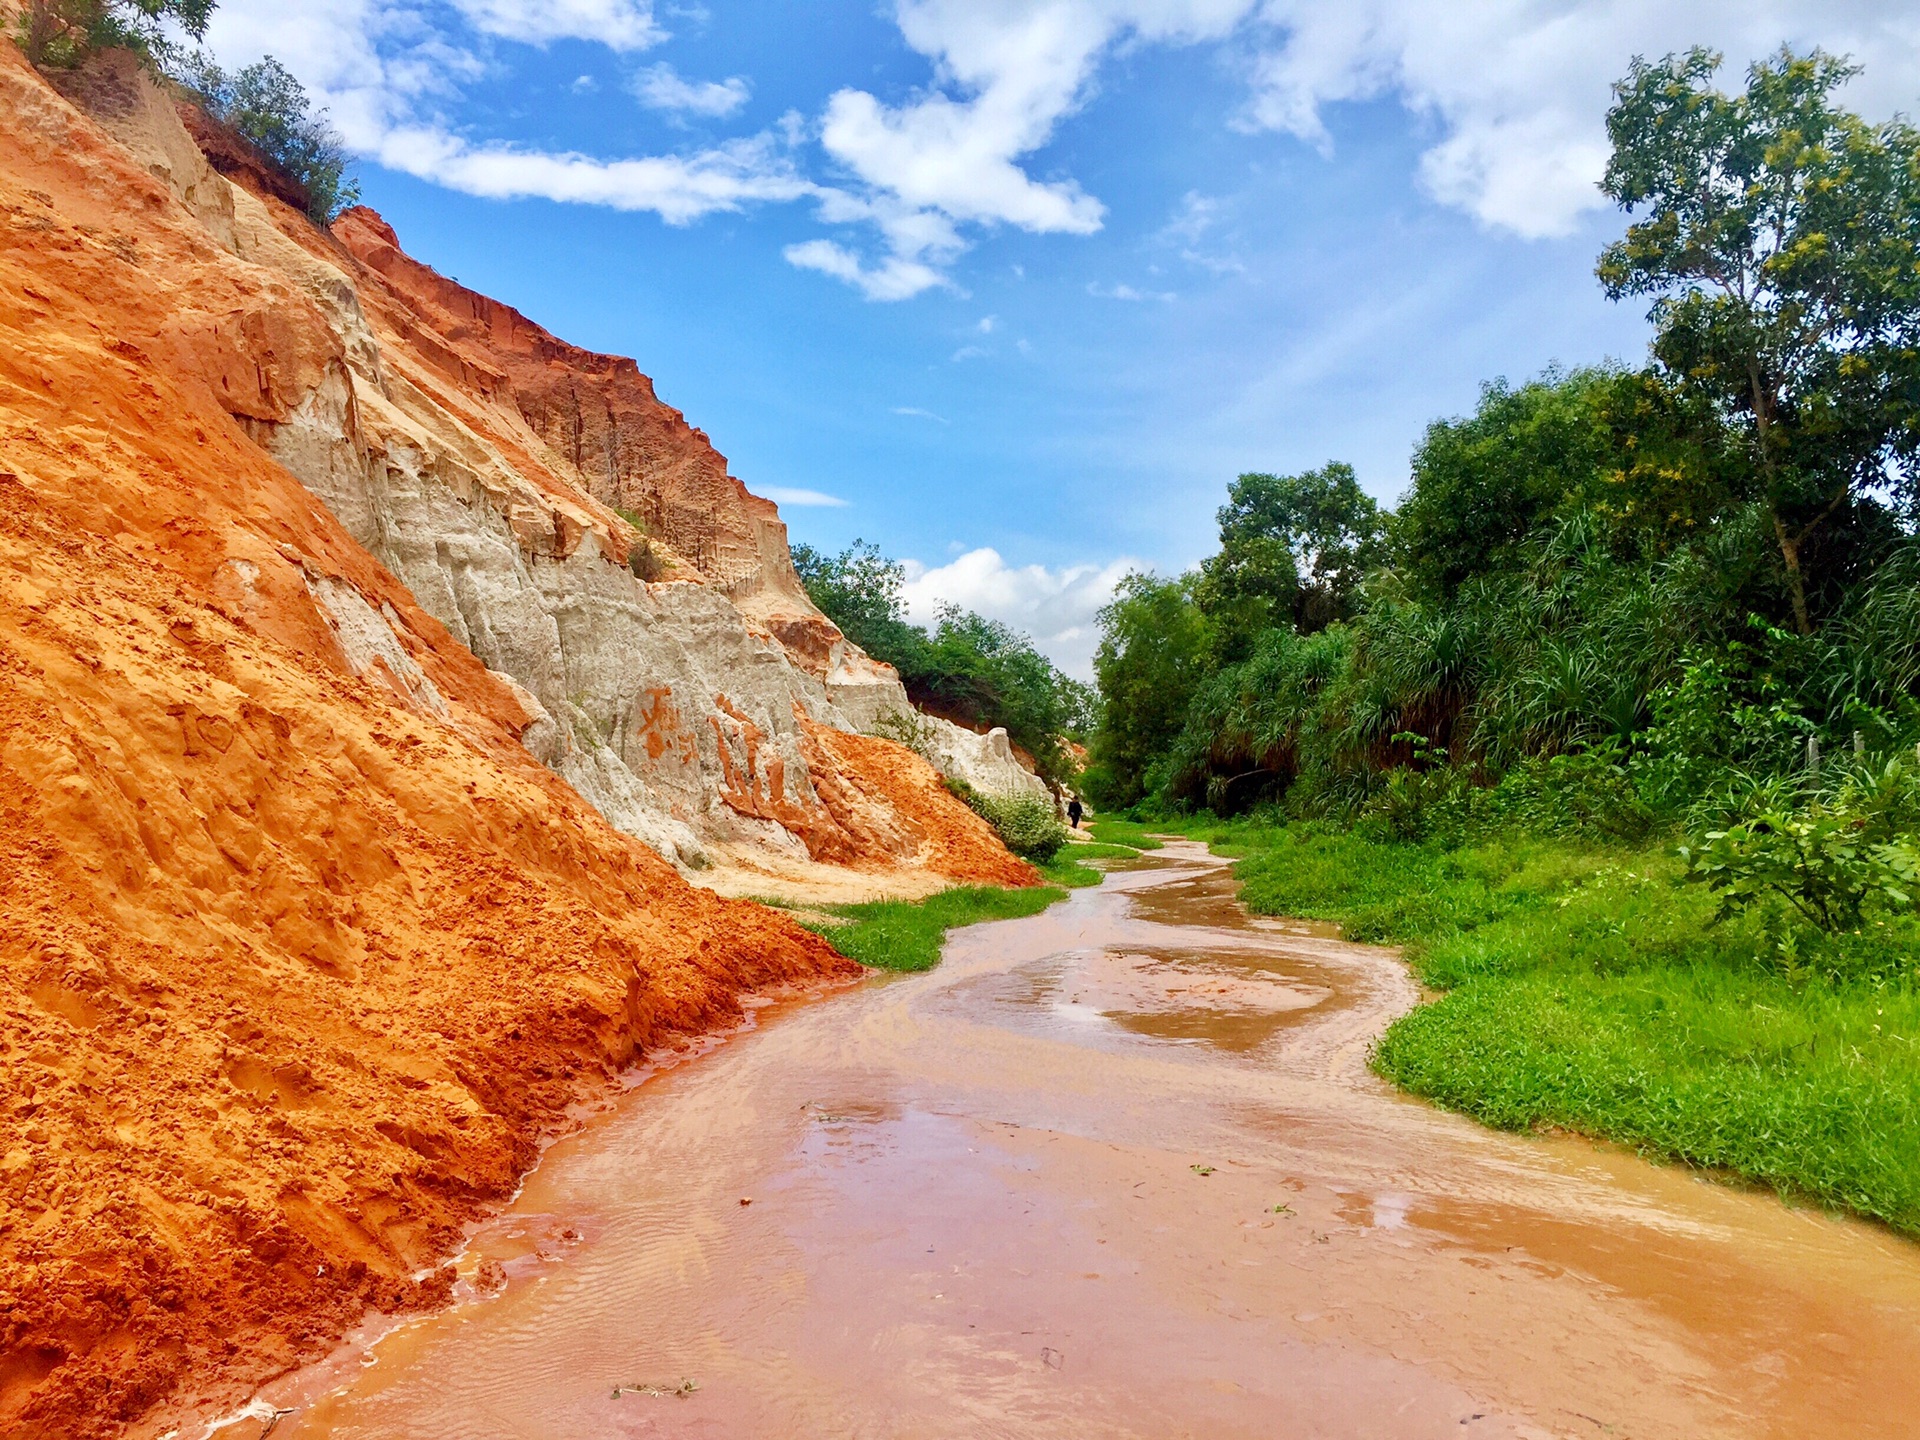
x=1120 y=1170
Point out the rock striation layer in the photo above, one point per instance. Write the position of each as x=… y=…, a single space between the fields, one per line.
x=508 y=479
x=302 y=947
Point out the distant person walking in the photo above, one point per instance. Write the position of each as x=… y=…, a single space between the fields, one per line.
x=1074 y=812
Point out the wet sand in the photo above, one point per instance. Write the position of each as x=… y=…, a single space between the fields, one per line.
x=1120 y=1170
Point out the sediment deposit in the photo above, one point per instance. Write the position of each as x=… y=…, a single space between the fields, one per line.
x=332 y=718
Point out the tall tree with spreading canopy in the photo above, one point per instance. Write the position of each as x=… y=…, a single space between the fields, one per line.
x=1779 y=237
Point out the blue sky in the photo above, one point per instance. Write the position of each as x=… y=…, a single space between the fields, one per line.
x=1023 y=284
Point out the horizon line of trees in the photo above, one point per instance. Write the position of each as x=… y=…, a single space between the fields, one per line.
x=1686 y=576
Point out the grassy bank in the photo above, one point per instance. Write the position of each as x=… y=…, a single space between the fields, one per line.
x=1586 y=988
x=907 y=934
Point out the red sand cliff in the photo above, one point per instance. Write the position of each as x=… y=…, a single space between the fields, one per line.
x=602 y=425
x=294 y=966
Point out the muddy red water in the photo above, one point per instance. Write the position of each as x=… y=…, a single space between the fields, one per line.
x=1120 y=1170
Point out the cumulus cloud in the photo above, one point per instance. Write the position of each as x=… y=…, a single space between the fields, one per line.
x=1517 y=89
x=617 y=24
x=1055 y=606
x=894 y=278
x=788 y=495
x=1006 y=72
x=661 y=87
x=1512 y=94
x=384 y=72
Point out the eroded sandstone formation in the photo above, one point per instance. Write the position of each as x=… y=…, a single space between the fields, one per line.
x=301 y=946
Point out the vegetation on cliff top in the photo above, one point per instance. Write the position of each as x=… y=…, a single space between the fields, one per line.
x=972 y=670
x=62 y=33
x=264 y=105
x=1613 y=720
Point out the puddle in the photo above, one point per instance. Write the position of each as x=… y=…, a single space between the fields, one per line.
x=1120 y=1170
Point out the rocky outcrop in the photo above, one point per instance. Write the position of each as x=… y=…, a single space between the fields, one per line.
x=986 y=762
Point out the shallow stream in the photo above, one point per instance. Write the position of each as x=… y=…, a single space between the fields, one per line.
x=1120 y=1170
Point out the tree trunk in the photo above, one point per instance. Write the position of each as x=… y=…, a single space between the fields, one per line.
x=1796 y=583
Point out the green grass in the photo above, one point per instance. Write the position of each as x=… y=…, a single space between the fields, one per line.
x=1587 y=989
x=1069 y=867
x=1130 y=833
x=907 y=934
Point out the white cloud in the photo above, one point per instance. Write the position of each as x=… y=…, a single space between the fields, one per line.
x=893 y=279
x=1006 y=72
x=1511 y=93
x=677 y=188
x=788 y=495
x=988 y=324
x=915 y=412
x=1126 y=292
x=1055 y=607
x=661 y=87
x=1518 y=89
x=617 y=24
x=382 y=72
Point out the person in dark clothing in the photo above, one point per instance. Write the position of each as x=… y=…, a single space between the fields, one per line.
x=1074 y=812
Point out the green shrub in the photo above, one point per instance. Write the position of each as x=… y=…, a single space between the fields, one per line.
x=1026 y=824
x=645 y=562
x=1824 y=862
x=266 y=106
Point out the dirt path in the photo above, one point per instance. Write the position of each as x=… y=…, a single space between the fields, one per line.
x=1034 y=1194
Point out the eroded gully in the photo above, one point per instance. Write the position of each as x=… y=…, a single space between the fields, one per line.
x=1120 y=1170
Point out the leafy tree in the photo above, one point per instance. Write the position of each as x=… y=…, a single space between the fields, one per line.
x=1777 y=235
x=859 y=590
x=268 y=107
x=1481 y=485
x=62 y=33
x=1293 y=549
x=1155 y=646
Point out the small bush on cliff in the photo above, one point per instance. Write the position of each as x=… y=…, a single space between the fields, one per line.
x=62 y=33
x=1026 y=824
x=267 y=107
x=644 y=562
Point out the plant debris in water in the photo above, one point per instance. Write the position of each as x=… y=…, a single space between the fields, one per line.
x=682 y=1390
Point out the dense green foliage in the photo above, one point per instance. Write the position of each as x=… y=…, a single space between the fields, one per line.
x=1777 y=235
x=1697 y=576
x=266 y=106
x=969 y=669
x=1026 y=824
x=62 y=33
